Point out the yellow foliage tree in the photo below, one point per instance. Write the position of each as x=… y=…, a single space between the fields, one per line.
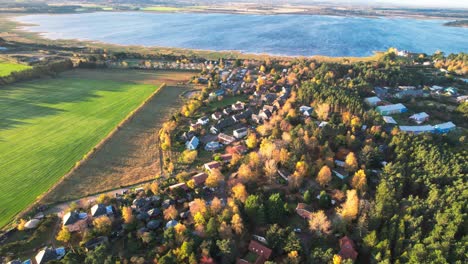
x=170 y=213
x=336 y=259
x=319 y=223
x=359 y=180
x=251 y=141
x=198 y=206
x=21 y=225
x=214 y=179
x=239 y=192
x=103 y=225
x=127 y=215
x=237 y=224
x=215 y=206
x=350 y=208
x=324 y=176
x=64 y=235
x=351 y=163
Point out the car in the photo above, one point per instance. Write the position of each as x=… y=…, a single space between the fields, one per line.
x=297 y=230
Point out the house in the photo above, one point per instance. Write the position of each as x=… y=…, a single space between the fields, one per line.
x=213 y=146
x=223 y=123
x=226 y=158
x=48 y=254
x=212 y=165
x=407 y=87
x=257 y=119
x=306 y=110
x=262 y=253
x=301 y=210
x=227 y=111
x=240 y=133
x=339 y=173
x=264 y=114
x=171 y=223
x=181 y=185
x=75 y=221
x=247 y=114
x=409 y=93
x=322 y=124
x=372 y=101
x=154 y=213
x=200 y=178
x=420 y=117
x=203 y=120
x=269 y=98
x=239 y=149
x=340 y=163
x=417 y=129
x=226 y=139
x=216 y=116
x=445 y=127
x=192 y=144
x=435 y=88
x=347 y=249
x=391 y=109
x=451 y=91
x=462 y=99
x=389 y=120
x=238 y=106
x=100 y=210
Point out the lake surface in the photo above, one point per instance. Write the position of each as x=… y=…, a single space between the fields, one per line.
x=273 y=34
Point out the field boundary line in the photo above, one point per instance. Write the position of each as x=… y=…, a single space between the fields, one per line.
x=90 y=153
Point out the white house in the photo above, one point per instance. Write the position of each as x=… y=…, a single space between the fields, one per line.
x=306 y=110
x=389 y=120
x=203 y=120
x=417 y=129
x=435 y=88
x=240 y=133
x=192 y=144
x=372 y=101
x=420 y=118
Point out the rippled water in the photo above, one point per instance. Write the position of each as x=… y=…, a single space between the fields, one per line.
x=272 y=34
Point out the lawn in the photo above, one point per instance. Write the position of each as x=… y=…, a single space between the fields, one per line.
x=161 y=8
x=6 y=68
x=46 y=126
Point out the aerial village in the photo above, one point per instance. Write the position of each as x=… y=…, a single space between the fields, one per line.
x=255 y=171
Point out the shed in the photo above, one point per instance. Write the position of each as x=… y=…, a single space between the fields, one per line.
x=372 y=101
x=391 y=109
x=192 y=144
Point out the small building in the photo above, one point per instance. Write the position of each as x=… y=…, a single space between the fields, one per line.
x=226 y=139
x=409 y=93
x=406 y=87
x=372 y=101
x=239 y=149
x=48 y=254
x=95 y=242
x=212 y=165
x=203 y=120
x=301 y=210
x=227 y=111
x=181 y=185
x=339 y=173
x=283 y=174
x=216 y=116
x=171 y=223
x=420 y=118
x=261 y=252
x=213 y=146
x=238 y=106
x=340 y=163
x=226 y=158
x=200 y=178
x=32 y=224
x=451 y=91
x=435 y=88
x=75 y=221
x=306 y=110
x=192 y=144
x=417 y=129
x=99 y=210
x=391 y=109
x=462 y=99
x=445 y=127
x=264 y=114
x=347 y=249
x=389 y=120
x=240 y=133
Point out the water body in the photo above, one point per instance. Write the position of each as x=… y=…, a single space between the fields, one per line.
x=273 y=34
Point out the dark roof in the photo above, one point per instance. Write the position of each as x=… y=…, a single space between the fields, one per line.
x=48 y=255
x=244 y=115
x=200 y=178
x=225 y=122
x=101 y=210
x=73 y=218
x=259 y=249
x=347 y=248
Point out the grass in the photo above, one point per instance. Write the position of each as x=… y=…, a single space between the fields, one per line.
x=6 y=68
x=131 y=155
x=161 y=8
x=48 y=125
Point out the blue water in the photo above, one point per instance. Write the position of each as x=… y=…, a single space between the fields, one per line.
x=278 y=34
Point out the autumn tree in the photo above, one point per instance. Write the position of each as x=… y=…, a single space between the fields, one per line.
x=237 y=224
x=103 y=225
x=198 y=206
x=103 y=199
x=319 y=223
x=251 y=141
x=215 y=178
x=350 y=208
x=127 y=215
x=216 y=206
x=351 y=163
x=239 y=192
x=324 y=176
x=21 y=225
x=336 y=259
x=154 y=187
x=64 y=235
x=170 y=213
x=359 y=180
x=188 y=156
x=270 y=169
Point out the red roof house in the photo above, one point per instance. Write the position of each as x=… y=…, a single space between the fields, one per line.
x=302 y=211
x=263 y=253
x=347 y=248
x=200 y=178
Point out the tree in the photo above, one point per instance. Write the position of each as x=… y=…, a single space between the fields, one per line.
x=189 y=156
x=336 y=259
x=198 y=206
x=127 y=215
x=21 y=225
x=103 y=199
x=212 y=227
x=319 y=223
x=351 y=163
x=236 y=224
x=98 y=255
x=293 y=257
x=64 y=235
x=276 y=237
x=170 y=213
x=275 y=208
x=154 y=187
x=226 y=250
x=359 y=180
x=270 y=170
x=103 y=225
x=307 y=196
x=214 y=179
x=324 y=176
x=350 y=208
x=239 y=192
x=254 y=209
x=292 y=243
x=251 y=141
x=216 y=206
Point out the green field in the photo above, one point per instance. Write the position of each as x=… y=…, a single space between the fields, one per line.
x=46 y=126
x=6 y=68
x=161 y=8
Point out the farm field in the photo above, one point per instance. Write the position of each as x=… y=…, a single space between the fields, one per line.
x=6 y=68
x=131 y=155
x=47 y=125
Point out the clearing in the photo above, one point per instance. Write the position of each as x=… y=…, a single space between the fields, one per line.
x=47 y=125
x=131 y=155
x=6 y=68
